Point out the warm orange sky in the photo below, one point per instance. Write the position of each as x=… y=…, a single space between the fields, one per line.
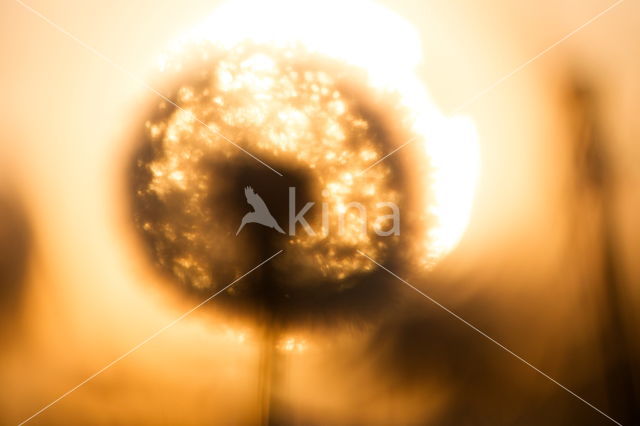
x=69 y=120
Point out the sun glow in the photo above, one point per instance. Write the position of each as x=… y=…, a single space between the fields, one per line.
x=372 y=38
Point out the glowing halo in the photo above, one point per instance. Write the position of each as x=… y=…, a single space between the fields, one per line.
x=379 y=41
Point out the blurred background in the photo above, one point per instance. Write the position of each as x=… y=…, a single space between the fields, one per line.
x=548 y=264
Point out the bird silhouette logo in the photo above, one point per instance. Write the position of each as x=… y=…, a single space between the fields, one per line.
x=260 y=213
